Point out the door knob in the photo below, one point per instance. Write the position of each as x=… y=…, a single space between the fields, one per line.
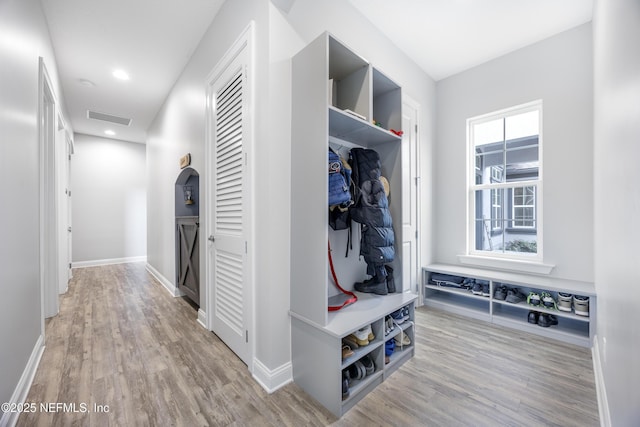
x=211 y=238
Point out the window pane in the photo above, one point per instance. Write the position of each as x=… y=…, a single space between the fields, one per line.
x=488 y=132
x=524 y=207
x=490 y=163
x=522 y=159
x=496 y=209
x=488 y=239
x=522 y=125
x=490 y=210
x=521 y=243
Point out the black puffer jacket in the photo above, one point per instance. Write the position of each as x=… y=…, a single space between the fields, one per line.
x=371 y=209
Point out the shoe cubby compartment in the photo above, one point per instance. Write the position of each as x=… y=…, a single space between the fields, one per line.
x=363 y=350
x=317 y=351
x=401 y=353
x=456 y=300
x=571 y=328
x=358 y=388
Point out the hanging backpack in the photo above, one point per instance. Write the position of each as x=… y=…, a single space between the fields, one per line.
x=339 y=181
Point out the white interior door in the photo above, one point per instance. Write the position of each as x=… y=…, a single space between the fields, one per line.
x=229 y=276
x=410 y=183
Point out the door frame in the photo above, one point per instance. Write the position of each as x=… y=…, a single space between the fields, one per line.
x=69 y=203
x=63 y=150
x=406 y=100
x=48 y=201
x=244 y=41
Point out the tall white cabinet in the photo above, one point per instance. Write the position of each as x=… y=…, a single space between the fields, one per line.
x=329 y=79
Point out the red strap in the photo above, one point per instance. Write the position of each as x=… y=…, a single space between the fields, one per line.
x=353 y=296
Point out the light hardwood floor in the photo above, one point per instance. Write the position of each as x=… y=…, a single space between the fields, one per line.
x=121 y=340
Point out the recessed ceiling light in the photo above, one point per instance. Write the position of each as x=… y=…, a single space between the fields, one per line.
x=109 y=132
x=120 y=74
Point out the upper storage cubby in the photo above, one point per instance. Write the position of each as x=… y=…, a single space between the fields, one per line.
x=364 y=104
x=387 y=99
x=349 y=75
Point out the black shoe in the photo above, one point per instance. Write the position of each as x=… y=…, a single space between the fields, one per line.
x=501 y=293
x=345 y=385
x=357 y=371
x=391 y=283
x=533 y=317
x=373 y=286
x=368 y=364
x=547 y=320
x=514 y=296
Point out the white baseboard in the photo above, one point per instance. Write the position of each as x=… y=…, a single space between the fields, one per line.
x=202 y=318
x=98 y=262
x=166 y=283
x=272 y=380
x=601 y=391
x=21 y=391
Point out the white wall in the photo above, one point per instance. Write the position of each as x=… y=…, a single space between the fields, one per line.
x=180 y=125
x=557 y=70
x=616 y=27
x=24 y=37
x=108 y=182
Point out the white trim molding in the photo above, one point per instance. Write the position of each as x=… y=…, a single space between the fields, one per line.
x=202 y=318
x=166 y=283
x=21 y=391
x=272 y=380
x=500 y=263
x=601 y=391
x=110 y=261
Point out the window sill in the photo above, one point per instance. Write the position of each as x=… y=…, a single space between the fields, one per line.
x=520 y=266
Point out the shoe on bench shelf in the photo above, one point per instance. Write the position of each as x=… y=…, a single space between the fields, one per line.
x=514 y=296
x=547 y=320
x=375 y=285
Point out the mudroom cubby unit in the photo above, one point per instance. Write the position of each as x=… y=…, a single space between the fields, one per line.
x=317 y=351
x=576 y=328
x=339 y=100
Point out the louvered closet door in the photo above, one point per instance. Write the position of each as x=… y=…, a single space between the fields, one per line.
x=229 y=216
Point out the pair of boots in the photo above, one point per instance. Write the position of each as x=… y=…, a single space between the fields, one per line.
x=378 y=284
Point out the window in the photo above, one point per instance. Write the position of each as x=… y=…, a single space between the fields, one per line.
x=505 y=188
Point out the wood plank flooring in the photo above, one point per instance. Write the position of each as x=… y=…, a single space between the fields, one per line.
x=121 y=340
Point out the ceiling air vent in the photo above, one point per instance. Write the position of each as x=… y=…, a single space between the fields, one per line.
x=108 y=118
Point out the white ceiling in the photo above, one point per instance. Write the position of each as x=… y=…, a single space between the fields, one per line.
x=445 y=37
x=154 y=39
x=151 y=39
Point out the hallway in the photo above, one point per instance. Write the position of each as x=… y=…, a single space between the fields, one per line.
x=122 y=342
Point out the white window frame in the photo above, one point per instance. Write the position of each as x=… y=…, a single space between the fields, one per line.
x=472 y=187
